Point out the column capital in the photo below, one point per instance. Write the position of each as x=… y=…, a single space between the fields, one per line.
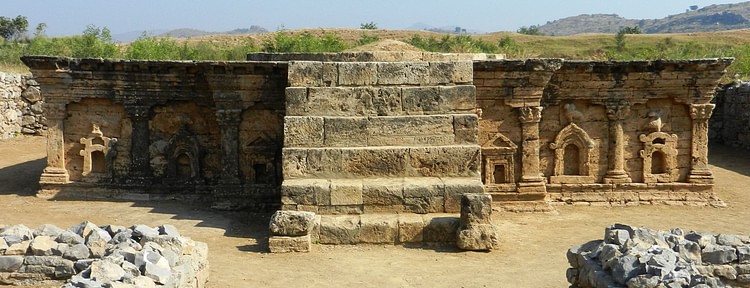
x=229 y=117
x=701 y=111
x=55 y=111
x=530 y=114
x=138 y=111
x=617 y=109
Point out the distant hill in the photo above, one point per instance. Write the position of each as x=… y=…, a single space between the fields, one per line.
x=707 y=19
x=189 y=32
x=444 y=29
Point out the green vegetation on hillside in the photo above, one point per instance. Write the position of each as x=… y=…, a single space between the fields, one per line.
x=96 y=42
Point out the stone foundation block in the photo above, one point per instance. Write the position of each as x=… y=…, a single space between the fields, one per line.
x=378 y=229
x=303 y=131
x=476 y=209
x=341 y=229
x=346 y=192
x=357 y=73
x=401 y=73
x=305 y=73
x=305 y=192
x=345 y=131
x=10 y=263
x=445 y=161
x=410 y=130
x=286 y=244
x=383 y=192
x=480 y=237
x=410 y=228
x=440 y=228
x=291 y=223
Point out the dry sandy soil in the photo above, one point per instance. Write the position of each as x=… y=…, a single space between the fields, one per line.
x=531 y=254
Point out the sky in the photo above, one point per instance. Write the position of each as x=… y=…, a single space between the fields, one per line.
x=68 y=17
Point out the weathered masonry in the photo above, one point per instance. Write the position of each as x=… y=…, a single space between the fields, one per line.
x=359 y=133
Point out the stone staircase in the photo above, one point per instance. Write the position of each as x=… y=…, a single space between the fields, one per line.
x=379 y=137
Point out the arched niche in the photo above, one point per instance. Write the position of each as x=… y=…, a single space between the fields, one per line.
x=498 y=169
x=659 y=156
x=98 y=155
x=574 y=149
x=183 y=157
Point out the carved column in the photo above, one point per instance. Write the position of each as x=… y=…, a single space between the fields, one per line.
x=531 y=178
x=699 y=172
x=229 y=121
x=55 y=172
x=617 y=111
x=140 y=168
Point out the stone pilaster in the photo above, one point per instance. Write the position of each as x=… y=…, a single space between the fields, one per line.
x=617 y=111
x=531 y=178
x=55 y=172
x=140 y=169
x=229 y=122
x=699 y=172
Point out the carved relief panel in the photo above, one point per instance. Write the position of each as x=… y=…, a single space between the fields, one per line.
x=98 y=153
x=573 y=149
x=659 y=152
x=498 y=156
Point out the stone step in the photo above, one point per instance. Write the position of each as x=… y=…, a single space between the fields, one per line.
x=373 y=162
x=515 y=196
x=362 y=131
x=327 y=74
x=523 y=206
x=380 y=101
x=378 y=195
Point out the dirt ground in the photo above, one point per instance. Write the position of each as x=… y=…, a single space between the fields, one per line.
x=531 y=254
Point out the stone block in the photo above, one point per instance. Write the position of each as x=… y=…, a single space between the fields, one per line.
x=455 y=188
x=743 y=254
x=480 y=237
x=410 y=130
x=291 y=223
x=459 y=98
x=305 y=73
x=19 y=248
x=383 y=191
x=374 y=162
x=10 y=263
x=339 y=229
x=323 y=163
x=466 y=128
x=402 y=73
x=440 y=228
x=345 y=131
x=340 y=101
x=296 y=101
x=423 y=100
x=386 y=101
x=718 y=254
x=379 y=229
x=285 y=244
x=463 y=72
x=305 y=192
x=476 y=209
x=303 y=131
x=445 y=161
x=424 y=195
x=410 y=228
x=357 y=73
x=43 y=246
x=346 y=192
x=330 y=74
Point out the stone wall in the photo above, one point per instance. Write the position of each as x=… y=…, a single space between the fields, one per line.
x=642 y=257
x=20 y=106
x=731 y=122
x=87 y=255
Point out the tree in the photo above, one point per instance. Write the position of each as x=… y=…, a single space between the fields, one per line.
x=630 y=30
x=531 y=30
x=620 y=36
x=369 y=26
x=13 y=29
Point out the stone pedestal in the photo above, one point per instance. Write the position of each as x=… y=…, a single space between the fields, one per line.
x=476 y=232
x=699 y=172
x=617 y=111
x=290 y=231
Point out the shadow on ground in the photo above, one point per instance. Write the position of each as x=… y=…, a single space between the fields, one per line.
x=730 y=158
x=22 y=179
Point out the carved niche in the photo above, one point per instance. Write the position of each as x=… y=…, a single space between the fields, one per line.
x=260 y=158
x=659 y=152
x=498 y=156
x=98 y=154
x=183 y=155
x=574 y=149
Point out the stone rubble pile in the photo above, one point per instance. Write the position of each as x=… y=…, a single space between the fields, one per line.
x=87 y=255
x=20 y=106
x=643 y=257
